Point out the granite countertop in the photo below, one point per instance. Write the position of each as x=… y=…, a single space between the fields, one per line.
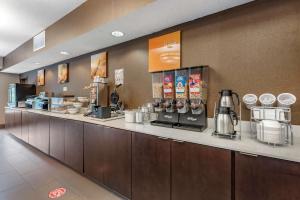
x=247 y=144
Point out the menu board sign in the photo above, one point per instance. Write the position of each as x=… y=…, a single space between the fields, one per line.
x=195 y=86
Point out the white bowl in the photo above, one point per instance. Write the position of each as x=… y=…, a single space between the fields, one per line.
x=83 y=99
x=77 y=105
x=73 y=111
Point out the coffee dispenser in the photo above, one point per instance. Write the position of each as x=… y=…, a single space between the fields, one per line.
x=226 y=99
x=226 y=118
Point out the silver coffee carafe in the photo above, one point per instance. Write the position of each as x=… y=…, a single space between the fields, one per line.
x=226 y=99
x=226 y=120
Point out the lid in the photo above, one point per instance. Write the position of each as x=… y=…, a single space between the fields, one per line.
x=286 y=99
x=226 y=92
x=267 y=99
x=250 y=99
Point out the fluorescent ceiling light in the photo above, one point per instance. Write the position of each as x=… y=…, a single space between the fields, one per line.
x=64 y=53
x=37 y=63
x=117 y=33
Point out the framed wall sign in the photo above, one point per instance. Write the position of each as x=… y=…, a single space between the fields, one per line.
x=165 y=52
x=41 y=77
x=63 y=73
x=119 y=77
x=99 y=65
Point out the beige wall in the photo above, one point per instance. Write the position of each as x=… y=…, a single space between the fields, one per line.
x=5 y=79
x=253 y=48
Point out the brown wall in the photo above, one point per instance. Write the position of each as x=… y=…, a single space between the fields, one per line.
x=253 y=48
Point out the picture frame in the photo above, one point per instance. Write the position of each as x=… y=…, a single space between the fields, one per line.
x=41 y=77
x=99 y=65
x=63 y=73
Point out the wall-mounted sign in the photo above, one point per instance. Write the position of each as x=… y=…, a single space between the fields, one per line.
x=99 y=65
x=63 y=73
x=41 y=77
x=119 y=76
x=165 y=52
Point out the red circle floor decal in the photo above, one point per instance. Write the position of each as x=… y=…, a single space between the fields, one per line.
x=57 y=193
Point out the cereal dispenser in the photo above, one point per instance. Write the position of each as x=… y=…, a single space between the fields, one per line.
x=157 y=91
x=196 y=118
x=181 y=90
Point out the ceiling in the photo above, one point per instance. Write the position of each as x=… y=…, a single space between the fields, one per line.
x=21 y=20
x=151 y=18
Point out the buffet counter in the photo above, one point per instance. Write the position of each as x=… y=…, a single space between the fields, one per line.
x=246 y=145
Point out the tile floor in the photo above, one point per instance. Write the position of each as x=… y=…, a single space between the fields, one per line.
x=27 y=174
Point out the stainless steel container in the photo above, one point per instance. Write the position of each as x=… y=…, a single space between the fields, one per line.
x=226 y=119
x=226 y=99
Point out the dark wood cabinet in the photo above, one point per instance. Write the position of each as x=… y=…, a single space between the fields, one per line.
x=9 y=119
x=117 y=173
x=42 y=132
x=107 y=157
x=17 y=124
x=151 y=170
x=25 y=126
x=57 y=138
x=32 y=136
x=263 y=178
x=94 y=151
x=74 y=145
x=200 y=172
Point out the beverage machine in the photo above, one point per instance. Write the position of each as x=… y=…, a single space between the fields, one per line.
x=180 y=98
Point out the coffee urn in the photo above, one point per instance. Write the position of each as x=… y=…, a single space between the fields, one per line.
x=226 y=118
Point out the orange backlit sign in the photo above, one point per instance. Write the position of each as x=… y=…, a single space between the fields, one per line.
x=165 y=52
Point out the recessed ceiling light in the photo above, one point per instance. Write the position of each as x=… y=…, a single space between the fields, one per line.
x=37 y=63
x=65 y=53
x=117 y=33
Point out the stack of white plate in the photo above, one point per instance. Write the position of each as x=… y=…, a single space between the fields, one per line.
x=270 y=132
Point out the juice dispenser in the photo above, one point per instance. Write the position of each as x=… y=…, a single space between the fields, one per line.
x=181 y=89
x=157 y=91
